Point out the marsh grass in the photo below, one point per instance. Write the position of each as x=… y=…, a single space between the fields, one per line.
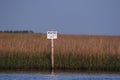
x=18 y=61
x=72 y=52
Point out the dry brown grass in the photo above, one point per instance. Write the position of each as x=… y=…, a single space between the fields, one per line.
x=65 y=44
x=23 y=43
x=79 y=44
x=91 y=46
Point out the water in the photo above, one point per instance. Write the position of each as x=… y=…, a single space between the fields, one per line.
x=58 y=76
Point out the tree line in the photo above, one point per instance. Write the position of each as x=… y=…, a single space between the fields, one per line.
x=24 y=31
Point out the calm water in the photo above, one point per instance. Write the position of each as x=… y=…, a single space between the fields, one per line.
x=58 y=76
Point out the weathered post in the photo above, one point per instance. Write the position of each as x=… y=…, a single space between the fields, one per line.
x=52 y=35
x=52 y=56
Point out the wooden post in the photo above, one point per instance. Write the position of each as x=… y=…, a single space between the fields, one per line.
x=52 y=55
x=52 y=35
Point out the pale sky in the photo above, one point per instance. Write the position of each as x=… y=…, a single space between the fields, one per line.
x=98 y=17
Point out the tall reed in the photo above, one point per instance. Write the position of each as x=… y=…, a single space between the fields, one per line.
x=72 y=52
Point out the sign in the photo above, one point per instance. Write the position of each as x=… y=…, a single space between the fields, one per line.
x=52 y=35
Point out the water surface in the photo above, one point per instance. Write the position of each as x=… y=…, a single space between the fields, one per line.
x=59 y=76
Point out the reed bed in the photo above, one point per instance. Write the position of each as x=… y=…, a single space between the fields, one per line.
x=72 y=52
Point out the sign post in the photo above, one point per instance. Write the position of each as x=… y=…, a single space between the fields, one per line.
x=52 y=35
x=52 y=49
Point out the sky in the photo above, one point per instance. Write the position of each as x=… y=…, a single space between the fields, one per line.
x=96 y=17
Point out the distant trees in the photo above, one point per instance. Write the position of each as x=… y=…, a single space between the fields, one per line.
x=24 y=31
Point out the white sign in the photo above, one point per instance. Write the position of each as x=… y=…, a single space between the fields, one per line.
x=52 y=35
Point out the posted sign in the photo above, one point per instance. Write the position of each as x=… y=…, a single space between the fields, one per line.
x=52 y=35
